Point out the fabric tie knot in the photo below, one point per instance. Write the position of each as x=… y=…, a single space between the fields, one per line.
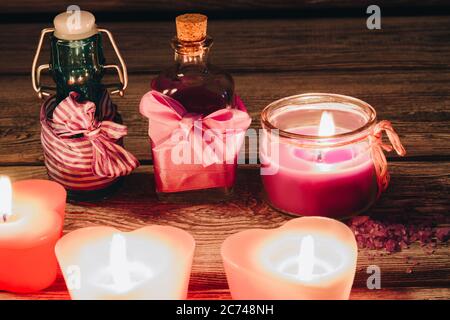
x=72 y=118
x=377 y=149
x=209 y=143
x=93 y=134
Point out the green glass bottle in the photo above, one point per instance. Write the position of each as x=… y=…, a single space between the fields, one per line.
x=77 y=64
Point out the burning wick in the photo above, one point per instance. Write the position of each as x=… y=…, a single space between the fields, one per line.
x=306 y=259
x=118 y=262
x=326 y=128
x=319 y=156
x=124 y=274
x=5 y=198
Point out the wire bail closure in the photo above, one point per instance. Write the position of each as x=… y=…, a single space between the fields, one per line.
x=37 y=70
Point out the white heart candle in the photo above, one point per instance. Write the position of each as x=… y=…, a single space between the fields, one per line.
x=102 y=263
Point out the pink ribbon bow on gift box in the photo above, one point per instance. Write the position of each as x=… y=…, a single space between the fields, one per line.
x=72 y=118
x=214 y=139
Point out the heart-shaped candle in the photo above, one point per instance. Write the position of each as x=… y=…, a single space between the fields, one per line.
x=309 y=258
x=102 y=263
x=43 y=193
x=31 y=221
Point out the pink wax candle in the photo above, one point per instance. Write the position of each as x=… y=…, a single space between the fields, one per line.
x=42 y=192
x=308 y=258
x=319 y=162
x=29 y=229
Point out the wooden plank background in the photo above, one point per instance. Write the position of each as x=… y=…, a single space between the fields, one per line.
x=403 y=70
x=252 y=6
x=407 y=82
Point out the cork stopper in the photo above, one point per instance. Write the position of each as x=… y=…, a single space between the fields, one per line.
x=75 y=25
x=191 y=27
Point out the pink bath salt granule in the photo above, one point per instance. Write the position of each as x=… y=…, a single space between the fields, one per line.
x=442 y=234
x=393 y=237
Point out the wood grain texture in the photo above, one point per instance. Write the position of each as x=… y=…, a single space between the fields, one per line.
x=402 y=70
x=58 y=292
x=121 y=6
x=136 y=205
x=411 y=43
x=417 y=103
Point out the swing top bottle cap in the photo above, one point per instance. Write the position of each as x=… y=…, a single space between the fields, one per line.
x=191 y=27
x=75 y=25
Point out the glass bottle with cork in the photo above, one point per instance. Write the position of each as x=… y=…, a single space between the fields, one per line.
x=202 y=89
x=199 y=86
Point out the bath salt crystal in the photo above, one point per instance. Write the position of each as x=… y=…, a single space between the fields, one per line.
x=394 y=237
x=442 y=234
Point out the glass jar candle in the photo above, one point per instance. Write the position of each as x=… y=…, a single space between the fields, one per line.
x=322 y=155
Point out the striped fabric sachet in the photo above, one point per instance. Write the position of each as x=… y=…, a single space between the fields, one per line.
x=81 y=152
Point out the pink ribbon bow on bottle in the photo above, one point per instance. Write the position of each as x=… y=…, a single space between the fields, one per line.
x=213 y=142
x=378 y=148
x=72 y=119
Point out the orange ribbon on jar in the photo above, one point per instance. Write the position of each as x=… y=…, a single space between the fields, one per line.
x=378 y=148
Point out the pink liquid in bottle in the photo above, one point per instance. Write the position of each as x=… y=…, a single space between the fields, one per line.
x=202 y=89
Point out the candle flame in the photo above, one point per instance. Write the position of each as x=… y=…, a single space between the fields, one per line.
x=306 y=259
x=326 y=127
x=5 y=197
x=118 y=262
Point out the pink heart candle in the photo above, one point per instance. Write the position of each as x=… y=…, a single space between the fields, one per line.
x=29 y=229
x=309 y=258
x=43 y=193
x=102 y=263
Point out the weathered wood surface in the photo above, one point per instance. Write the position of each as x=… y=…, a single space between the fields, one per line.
x=155 y=6
x=328 y=44
x=418 y=104
x=58 y=292
x=402 y=70
x=136 y=205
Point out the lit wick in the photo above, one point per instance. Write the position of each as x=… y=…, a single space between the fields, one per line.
x=123 y=274
x=5 y=198
x=306 y=259
x=319 y=156
x=326 y=128
x=118 y=262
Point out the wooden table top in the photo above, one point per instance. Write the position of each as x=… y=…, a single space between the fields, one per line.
x=402 y=70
